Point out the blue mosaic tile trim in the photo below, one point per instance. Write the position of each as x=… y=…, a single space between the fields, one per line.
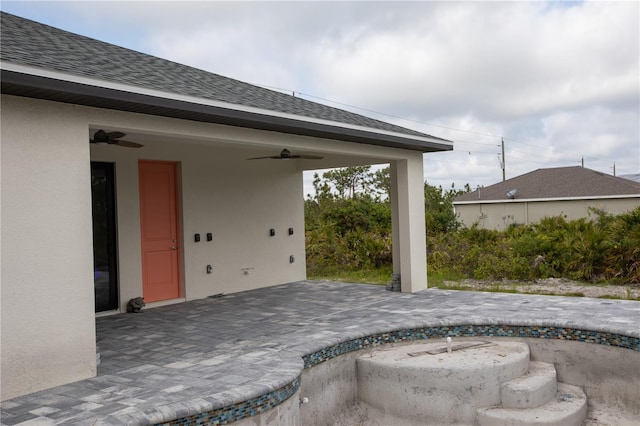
x=241 y=410
x=542 y=332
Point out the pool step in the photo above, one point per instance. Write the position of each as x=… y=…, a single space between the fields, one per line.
x=568 y=408
x=537 y=387
x=423 y=383
x=450 y=383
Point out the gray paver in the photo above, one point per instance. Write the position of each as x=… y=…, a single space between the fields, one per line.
x=213 y=352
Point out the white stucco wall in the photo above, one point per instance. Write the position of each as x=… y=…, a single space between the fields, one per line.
x=47 y=328
x=220 y=192
x=500 y=215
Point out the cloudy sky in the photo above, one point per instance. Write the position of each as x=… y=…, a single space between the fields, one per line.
x=559 y=81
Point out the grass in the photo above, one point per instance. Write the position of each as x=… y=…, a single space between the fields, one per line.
x=380 y=276
x=441 y=278
x=447 y=280
x=615 y=297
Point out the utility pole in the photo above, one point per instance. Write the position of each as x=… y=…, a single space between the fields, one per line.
x=583 y=161
x=614 y=168
x=504 y=163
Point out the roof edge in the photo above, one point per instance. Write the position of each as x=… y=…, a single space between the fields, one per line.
x=21 y=80
x=528 y=200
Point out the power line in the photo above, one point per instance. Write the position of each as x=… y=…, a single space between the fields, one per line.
x=476 y=143
x=511 y=149
x=534 y=146
x=483 y=134
x=538 y=162
x=406 y=119
x=378 y=112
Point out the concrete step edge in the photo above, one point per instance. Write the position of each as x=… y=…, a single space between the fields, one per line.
x=537 y=387
x=568 y=408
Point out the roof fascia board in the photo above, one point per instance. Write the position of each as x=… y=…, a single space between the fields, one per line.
x=530 y=200
x=229 y=113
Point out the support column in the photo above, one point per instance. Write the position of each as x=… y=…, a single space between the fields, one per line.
x=407 y=219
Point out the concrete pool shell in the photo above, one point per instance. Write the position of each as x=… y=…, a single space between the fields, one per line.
x=607 y=375
x=249 y=357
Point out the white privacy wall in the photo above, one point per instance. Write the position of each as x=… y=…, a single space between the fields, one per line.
x=47 y=320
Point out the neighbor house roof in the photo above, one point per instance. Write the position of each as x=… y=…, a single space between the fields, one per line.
x=44 y=62
x=556 y=183
x=633 y=177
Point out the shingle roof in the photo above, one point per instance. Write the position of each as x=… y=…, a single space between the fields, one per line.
x=561 y=182
x=632 y=177
x=28 y=43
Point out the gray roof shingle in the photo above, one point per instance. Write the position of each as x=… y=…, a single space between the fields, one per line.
x=632 y=177
x=29 y=43
x=560 y=182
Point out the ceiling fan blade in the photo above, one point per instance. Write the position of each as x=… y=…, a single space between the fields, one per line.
x=112 y=138
x=262 y=158
x=126 y=144
x=115 y=135
x=286 y=155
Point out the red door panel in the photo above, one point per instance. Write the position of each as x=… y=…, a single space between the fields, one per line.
x=159 y=231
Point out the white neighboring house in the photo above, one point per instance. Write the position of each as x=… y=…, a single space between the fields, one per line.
x=163 y=203
x=566 y=191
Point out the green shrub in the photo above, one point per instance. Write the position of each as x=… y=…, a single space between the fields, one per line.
x=621 y=248
x=354 y=235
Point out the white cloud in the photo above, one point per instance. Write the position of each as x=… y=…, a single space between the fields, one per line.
x=559 y=80
x=501 y=60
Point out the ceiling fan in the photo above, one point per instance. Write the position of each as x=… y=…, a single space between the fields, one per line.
x=287 y=155
x=112 y=138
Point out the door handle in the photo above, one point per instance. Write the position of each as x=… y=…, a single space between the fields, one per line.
x=174 y=248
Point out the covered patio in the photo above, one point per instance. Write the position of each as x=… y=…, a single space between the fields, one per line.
x=231 y=357
x=148 y=178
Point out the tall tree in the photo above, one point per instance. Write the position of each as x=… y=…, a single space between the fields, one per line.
x=349 y=182
x=439 y=212
x=381 y=184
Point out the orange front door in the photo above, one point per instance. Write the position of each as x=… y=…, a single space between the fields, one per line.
x=159 y=231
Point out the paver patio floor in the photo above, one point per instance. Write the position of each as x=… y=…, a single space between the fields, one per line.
x=182 y=358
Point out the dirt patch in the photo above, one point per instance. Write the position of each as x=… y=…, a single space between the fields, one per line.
x=552 y=286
